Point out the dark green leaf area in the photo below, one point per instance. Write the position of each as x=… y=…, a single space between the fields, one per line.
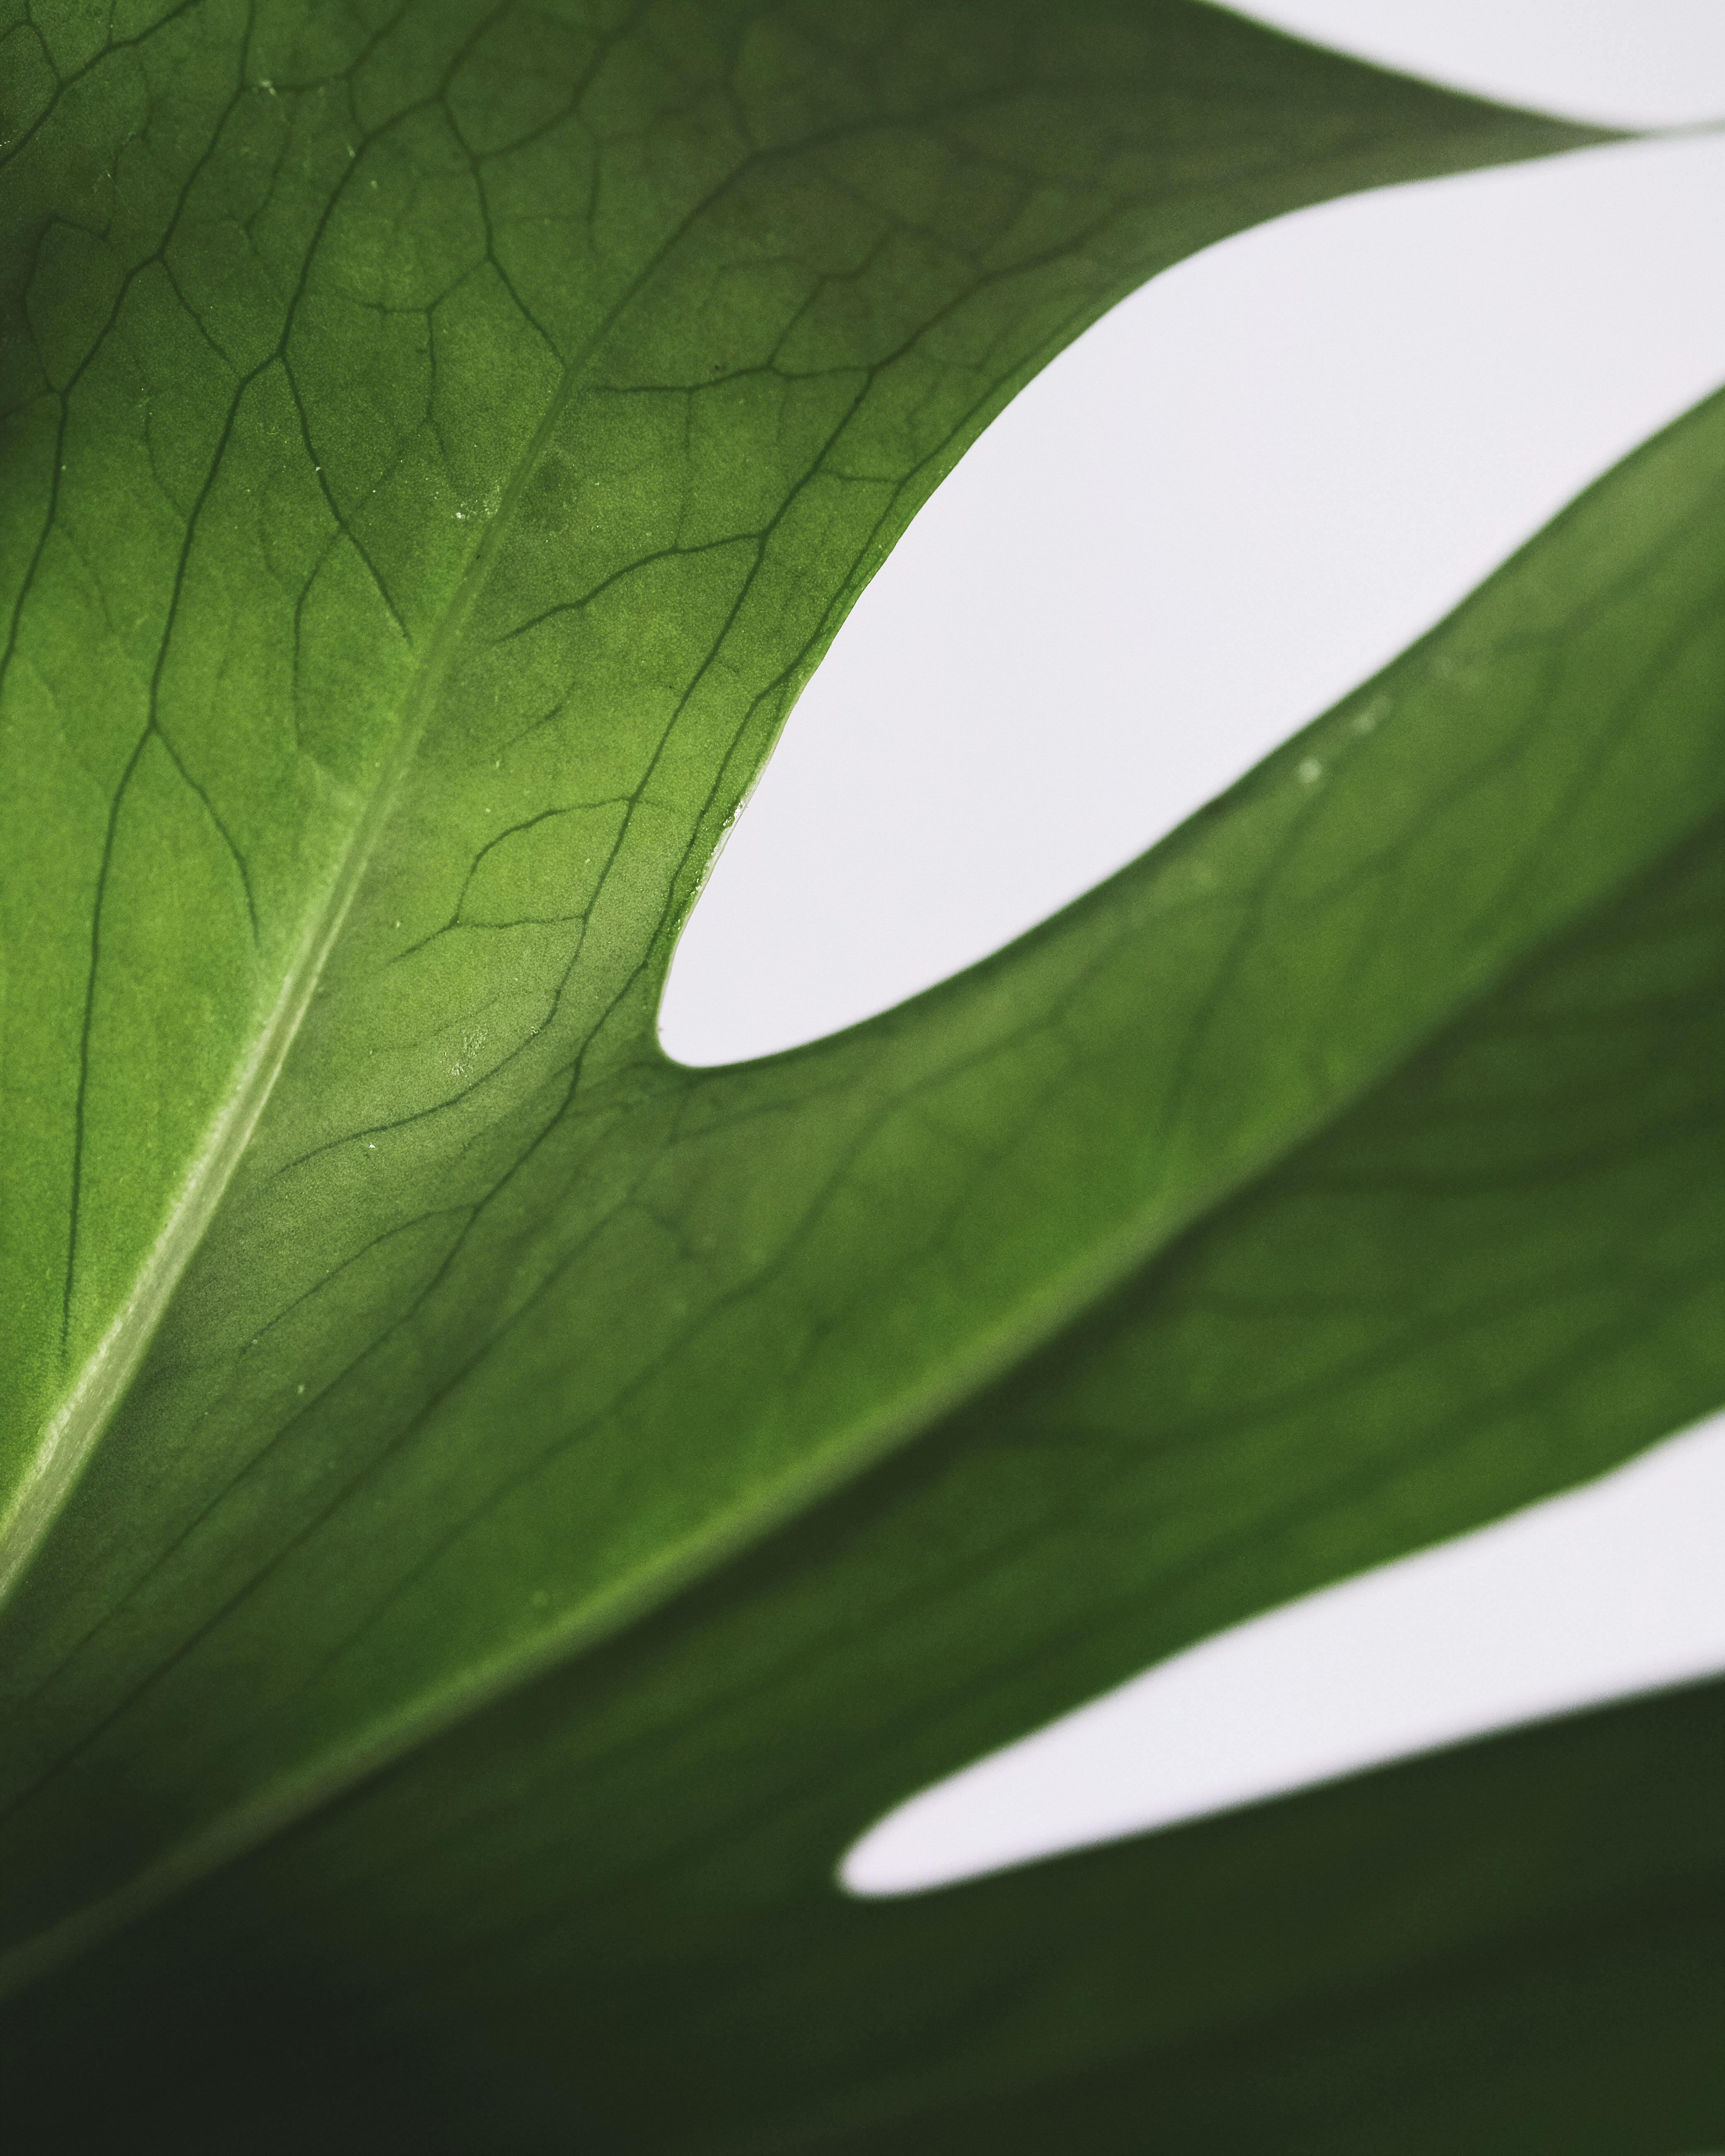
x=438 y=439
x=720 y=1293
x=1516 y=1947
x=446 y=439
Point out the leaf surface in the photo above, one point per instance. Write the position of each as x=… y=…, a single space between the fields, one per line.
x=447 y=1434
x=492 y=413
x=1498 y=1269
x=442 y=440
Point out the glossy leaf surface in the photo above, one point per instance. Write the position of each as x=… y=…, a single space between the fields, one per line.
x=455 y=1538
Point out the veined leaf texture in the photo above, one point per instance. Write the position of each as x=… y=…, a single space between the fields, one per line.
x=490 y=1512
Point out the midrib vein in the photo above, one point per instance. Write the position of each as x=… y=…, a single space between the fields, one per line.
x=76 y=1426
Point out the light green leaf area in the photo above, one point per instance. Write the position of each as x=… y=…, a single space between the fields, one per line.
x=468 y=1564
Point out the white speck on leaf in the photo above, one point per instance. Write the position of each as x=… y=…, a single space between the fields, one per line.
x=1311 y=770
x=1365 y=720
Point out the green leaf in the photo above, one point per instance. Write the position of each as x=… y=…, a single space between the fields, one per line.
x=441 y=445
x=468 y=1561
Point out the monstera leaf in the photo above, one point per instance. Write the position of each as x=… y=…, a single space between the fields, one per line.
x=491 y=1513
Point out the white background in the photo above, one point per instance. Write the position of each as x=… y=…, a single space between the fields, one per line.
x=1240 y=493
